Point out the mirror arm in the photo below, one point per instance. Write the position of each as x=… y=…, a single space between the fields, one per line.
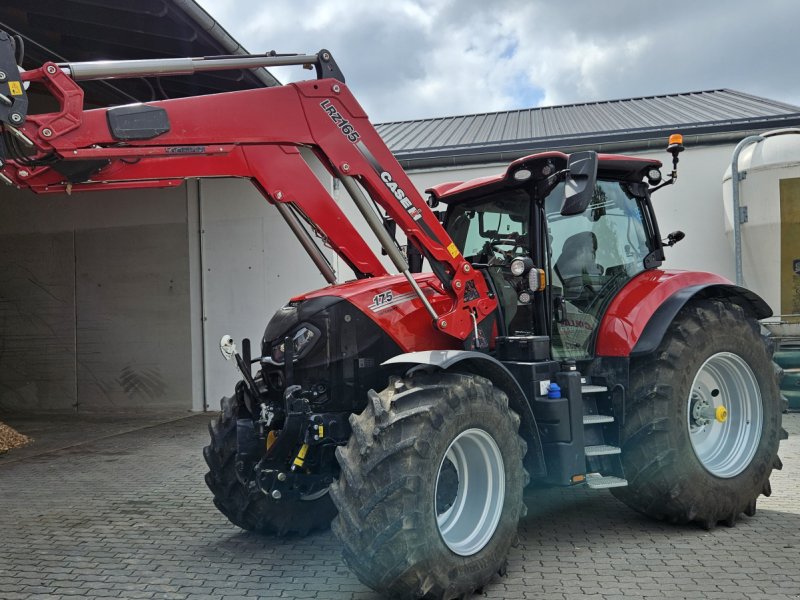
x=545 y=186
x=669 y=181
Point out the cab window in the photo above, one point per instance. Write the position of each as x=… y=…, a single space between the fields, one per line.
x=593 y=255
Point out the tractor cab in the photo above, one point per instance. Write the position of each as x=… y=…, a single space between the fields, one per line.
x=556 y=259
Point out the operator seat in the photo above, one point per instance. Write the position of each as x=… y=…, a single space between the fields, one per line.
x=576 y=267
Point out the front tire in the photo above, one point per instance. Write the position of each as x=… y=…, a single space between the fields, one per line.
x=430 y=491
x=703 y=424
x=244 y=504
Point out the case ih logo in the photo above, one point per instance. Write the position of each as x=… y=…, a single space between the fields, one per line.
x=347 y=129
x=398 y=192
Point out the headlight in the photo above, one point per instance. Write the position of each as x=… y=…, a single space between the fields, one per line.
x=520 y=265
x=303 y=340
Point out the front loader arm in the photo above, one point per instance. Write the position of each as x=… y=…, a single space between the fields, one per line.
x=255 y=134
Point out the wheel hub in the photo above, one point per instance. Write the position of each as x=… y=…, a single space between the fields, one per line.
x=703 y=412
x=447 y=487
x=725 y=414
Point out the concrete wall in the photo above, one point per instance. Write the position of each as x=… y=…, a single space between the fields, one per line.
x=94 y=301
x=37 y=320
x=252 y=265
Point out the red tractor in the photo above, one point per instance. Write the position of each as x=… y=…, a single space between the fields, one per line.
x=544 y=345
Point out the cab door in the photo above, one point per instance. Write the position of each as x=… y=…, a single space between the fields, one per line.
x=592 y=256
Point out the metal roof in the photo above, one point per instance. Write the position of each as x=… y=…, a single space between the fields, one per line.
x=608 y=125
x=83 y=30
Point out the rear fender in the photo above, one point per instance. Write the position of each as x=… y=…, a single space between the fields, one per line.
x=638 y=318
x=489 y=367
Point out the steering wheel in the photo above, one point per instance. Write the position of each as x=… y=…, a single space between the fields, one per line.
x=510 y=247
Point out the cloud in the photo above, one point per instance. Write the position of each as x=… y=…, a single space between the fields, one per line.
x=408 y=59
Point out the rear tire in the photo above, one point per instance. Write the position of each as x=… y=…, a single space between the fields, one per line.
x=244 y=504
x=703 y=423
x=410 y=523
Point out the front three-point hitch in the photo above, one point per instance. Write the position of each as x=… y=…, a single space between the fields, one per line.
x=300 y=443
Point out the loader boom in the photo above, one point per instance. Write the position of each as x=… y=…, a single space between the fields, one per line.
x=255 y=134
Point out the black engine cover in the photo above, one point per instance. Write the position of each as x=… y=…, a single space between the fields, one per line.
x=342 y=365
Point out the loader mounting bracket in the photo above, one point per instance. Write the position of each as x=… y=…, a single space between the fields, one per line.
x=326 y=67
x=13 y=99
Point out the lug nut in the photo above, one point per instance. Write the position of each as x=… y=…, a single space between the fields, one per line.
x=281 y=477
x=47 y=132
x=276 y=495
x=345 y=167
x=15 y=118
x=466 y=268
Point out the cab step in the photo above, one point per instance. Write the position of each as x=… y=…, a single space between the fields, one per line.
x=602 y=450
x=593 y=389
x=596 y=481
x=595 y=419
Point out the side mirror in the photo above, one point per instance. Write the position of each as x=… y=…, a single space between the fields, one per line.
x=580 y=182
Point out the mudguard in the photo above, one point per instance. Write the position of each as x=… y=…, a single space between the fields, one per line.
x=637 y=319
x=492 y=369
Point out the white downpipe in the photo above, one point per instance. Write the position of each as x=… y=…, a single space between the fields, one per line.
x=737 y=212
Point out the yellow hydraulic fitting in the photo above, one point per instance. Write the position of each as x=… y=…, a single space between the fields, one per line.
x=721 y=414
x=301 y=456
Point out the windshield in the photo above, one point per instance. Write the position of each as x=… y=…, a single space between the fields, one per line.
x=491 y=230
x=593 y=255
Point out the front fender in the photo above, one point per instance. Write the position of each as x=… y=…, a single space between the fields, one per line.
x=493 y=370
x=637 y=319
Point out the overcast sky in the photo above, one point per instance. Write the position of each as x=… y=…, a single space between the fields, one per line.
x=407 y=59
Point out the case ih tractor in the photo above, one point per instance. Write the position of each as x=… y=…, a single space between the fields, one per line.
x=530 y=337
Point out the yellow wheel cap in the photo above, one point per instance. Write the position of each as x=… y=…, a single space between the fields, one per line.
x=721 y=414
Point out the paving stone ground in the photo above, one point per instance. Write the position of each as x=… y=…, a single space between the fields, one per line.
x=128 y=516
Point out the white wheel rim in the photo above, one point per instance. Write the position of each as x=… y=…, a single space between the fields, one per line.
x=470 y=517
x=725 y=383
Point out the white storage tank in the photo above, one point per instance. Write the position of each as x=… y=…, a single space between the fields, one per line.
x=770 y=239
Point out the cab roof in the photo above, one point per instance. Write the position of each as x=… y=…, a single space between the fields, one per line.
x=609 y=166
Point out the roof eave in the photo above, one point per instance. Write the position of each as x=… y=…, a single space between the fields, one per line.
x=221 y=35
x=694 y=134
